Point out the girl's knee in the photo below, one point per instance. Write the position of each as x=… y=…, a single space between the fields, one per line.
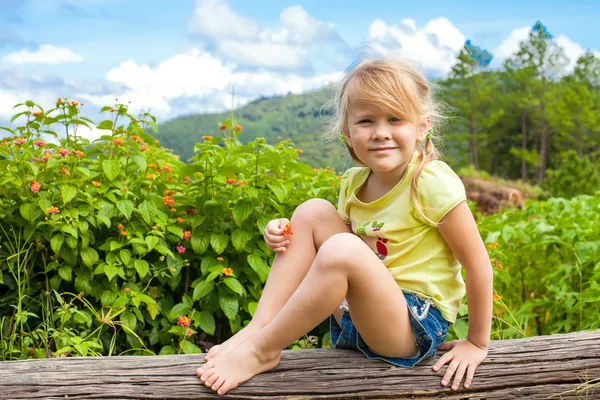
x=340 y=250
x=315 y=209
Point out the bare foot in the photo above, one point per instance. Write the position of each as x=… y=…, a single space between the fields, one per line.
x=233 y=368
x=233 y=341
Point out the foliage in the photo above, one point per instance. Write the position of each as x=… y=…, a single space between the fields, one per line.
x=577 y=175
x=301 y=118
x=116 y=246
x=546 y=268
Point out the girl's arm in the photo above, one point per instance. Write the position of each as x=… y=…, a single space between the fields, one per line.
x=459 y=230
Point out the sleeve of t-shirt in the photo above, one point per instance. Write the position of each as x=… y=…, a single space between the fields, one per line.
x=440 y=190
x=343 y=197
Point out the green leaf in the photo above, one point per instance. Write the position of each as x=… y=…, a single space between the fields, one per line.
x=164 y=251
x=252 y=307
x=218 y=242
x=152 y=310
x=190 y=348
x=205 y=321
x=108 y=298
x=68 y=193
x=83 y=317
x=84 y=171
x=151 y=241
x=167 y=350
x=89 y=256
x=177 y=231
x=104 y=219
x=83 y=284
x=142 y=267
x=242 y=210
x=125 y=256
x=111 y=271
x=202 y=289
x=27 y=211
x=259 y=266
x=240 y=239
x=106 y=124
x=128 y=319
x=126 y=207
x=178 y=310
x=141 y=162
x=148 y=210
x=234 y=285
x=279 y=190
x=200 y=241
x=111 y=169
x=153 y=125
x=229 y=304
x=70 y=230
x=65 y=273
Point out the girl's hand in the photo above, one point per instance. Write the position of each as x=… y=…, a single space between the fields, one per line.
x=274 y=235
x=464 y=356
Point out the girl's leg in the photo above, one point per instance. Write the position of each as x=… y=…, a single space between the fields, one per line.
x=313 y=222
x=344 y=267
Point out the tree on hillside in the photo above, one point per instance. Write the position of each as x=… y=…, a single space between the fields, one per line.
x=472 y=95
x=543 y=60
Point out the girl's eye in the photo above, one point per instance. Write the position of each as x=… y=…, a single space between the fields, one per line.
x=394 y=119
x=362 y=121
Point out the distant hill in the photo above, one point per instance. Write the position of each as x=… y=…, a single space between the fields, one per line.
x=301 y=118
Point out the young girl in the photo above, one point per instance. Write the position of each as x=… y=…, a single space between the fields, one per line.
x=391 y=254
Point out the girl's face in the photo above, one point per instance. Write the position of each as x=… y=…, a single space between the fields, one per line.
x=382 y=141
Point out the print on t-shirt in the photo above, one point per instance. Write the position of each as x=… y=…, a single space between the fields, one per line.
x=378 y=246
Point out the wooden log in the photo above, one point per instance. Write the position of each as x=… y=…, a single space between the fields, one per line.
x=541 y=367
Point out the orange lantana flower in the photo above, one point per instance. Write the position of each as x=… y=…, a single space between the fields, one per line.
x=228 y=271
x=287 y=230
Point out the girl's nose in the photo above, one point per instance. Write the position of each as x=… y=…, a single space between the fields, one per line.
x=381 y=132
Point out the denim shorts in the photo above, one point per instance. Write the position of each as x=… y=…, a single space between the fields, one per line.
x=429 y=328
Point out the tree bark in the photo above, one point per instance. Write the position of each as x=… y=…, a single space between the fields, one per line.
x=558 y=366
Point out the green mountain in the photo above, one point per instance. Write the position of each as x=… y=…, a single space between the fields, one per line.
x=301 y=118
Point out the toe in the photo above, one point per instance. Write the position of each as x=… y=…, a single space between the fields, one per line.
x=207 y=374
x=215 y=386
x=211 y=380
x=227 y=386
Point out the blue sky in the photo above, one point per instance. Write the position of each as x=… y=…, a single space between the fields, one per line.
x=183 y=56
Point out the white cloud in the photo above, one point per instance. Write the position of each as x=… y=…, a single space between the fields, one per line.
x=46 y=54
x=200 y=81
x=435 y=46
x=511 y=45
x=215 y=19
x=237 y=38
x=269 y=55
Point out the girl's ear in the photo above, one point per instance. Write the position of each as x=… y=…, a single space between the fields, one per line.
x=346 y=137
x=423 y=130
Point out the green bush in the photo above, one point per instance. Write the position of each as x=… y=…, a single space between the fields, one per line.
x=577 y=175
x=547 y=268
x=143 y=253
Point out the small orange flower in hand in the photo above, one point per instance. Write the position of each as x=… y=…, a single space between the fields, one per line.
x=497 y=297
x=287 y=230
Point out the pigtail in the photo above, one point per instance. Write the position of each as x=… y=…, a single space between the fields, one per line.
x=427 y=154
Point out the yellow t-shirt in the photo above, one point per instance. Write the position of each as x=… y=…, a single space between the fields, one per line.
x=412 y=249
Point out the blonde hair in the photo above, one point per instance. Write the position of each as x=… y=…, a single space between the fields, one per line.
x=398 y=87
